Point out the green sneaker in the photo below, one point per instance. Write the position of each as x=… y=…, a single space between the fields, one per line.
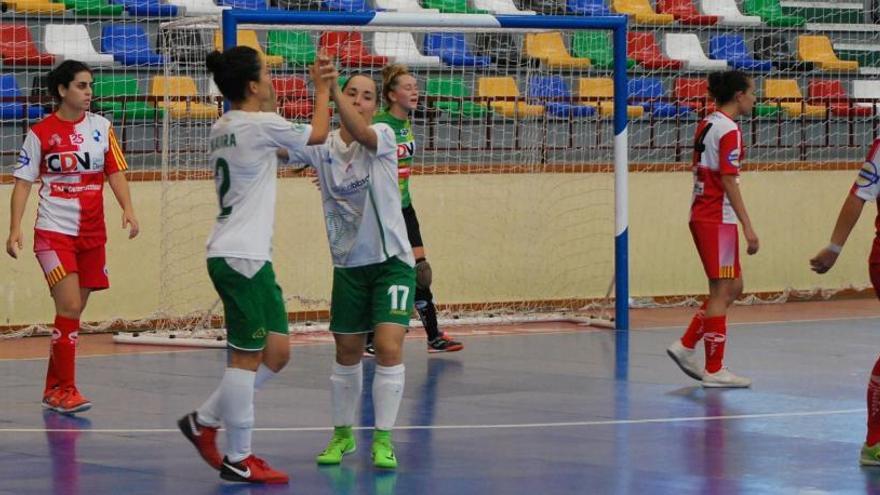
x=341 y=444
x=383 y=450
x=870 y=455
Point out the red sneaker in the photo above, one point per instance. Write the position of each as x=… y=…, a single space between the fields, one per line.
x=50 y=398
x=252 y=470
x=68 y=400
x=444 y=343
x=204 y=438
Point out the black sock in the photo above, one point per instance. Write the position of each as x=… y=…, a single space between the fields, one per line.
x=427 y=313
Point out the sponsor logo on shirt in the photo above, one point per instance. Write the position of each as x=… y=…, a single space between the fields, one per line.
x=76 y=138
x=68 y=162
x=867 y=175
x=73 y=189
x=403 y=132
x=351 y=187
x=733 y=158
x=23 y=159
x=405 y=150
x=96 y=136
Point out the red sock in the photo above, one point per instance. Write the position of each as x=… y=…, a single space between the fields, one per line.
x=714 y=338
x=694 y=331
x=63 y=354
x=874 y=405
x=51 y=375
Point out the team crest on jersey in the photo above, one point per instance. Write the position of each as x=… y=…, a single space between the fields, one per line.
x=403 y=132
x=733 y=158
x=76 y=138
x=55 y=140
x=867 y=175
x=96 y=136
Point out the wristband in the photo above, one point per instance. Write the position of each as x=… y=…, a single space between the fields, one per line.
x=834 y=248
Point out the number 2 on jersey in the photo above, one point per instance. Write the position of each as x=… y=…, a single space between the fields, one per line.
x=399 y=296
x=221 y=179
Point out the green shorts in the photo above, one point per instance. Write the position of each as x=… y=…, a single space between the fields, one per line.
x=366 y=296
x=253 y=307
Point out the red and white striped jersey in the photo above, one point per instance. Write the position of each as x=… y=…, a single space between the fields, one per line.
x=718 y=151
x=71 y=160
x=867 y=184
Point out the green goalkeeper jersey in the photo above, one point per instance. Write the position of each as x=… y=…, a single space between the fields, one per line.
x=406 y=147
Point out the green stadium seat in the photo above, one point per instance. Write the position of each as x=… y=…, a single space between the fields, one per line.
x=456 y=88
x=453 y=7
x=94 y=7
x=296 y=47
x=770 y=11
x=597 y=47
x=117 y=86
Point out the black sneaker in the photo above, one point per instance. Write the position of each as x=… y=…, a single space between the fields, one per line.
x=444 y=344
x=369 y=350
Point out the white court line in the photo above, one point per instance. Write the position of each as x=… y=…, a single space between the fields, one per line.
x=608 y=422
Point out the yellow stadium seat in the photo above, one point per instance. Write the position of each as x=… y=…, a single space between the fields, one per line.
x=181 y=87
x=818 y=49
x=36 y=6
x=641 y=11
x=603 y=87
x=550 y=50
x=505 y=87
x=249 y=38
x=788 y=88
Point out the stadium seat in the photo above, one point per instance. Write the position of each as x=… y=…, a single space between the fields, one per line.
x=245 y=4
x=401 y=47
x=602 y=90
x=550 y=50
x=643 y=48
x=94 y=8
x=108 y=87
x=247 y=37
x=505 y=87
x=587 y=7
x=775 y=47
x=350 y=49
x=296 y=47
x=552 y=92
x=685 y=12
x=18 y=48
x=453 y=50
x=732 y=48
x=293 y=96
x=729 y=13
x=298 y=4
x=694 y=93
x=646 y=91
x=596 y=46
x=832 y=94
x=38 y=7
x=14 y=110
x=867 y=90
x=348 y=5
x=179 y=90
x=404 y=6
x=199 y=7
x=147 y=8
x=788 y=89
x=686 y=48
x=72 y=41
x=641 y=12
x=459 y=94
x=502 y=48
x=501 y=7
x=452 y=7
x=818 y=50
x=546 y=7
x=771 y=13
x=129 y=45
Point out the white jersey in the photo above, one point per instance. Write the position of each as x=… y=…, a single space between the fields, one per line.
x=242 y=153
x=362 y=206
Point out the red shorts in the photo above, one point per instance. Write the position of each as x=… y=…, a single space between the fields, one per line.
x=718 y=245
x=61 y=254
x=874 y=266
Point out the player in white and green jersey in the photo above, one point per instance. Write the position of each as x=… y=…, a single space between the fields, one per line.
x=373 y=275
x=243 y=151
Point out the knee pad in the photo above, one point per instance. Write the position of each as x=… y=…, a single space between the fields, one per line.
x=423 y=274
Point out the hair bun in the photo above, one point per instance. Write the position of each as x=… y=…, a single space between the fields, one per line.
x=215 y=61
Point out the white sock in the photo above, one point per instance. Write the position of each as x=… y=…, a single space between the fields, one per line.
x=346 y=384
x=387 y=393
x=237 y=405
x=208 y=414
x=264 y=373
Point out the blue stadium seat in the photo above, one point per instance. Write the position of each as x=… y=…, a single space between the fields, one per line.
x=348 y=5
x=553 y=93
x=452 y=50
x=129 y=45
x=13 y=110
x=587 y=7
x=246 y=4
x=147 y=8
x=732 y=48
x=642 y=90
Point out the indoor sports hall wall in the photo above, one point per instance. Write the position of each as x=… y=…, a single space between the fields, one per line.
x=551 y=240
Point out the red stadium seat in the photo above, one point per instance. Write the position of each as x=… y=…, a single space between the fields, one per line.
x=831 y=93
x=350 y=49
x=643 y=48
x=290 y=87
x=18 y=48
x=685 y=12
x=694 y=93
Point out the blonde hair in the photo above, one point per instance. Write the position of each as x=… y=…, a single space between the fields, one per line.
x=390 y=73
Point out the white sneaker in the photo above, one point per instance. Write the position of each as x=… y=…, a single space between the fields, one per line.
x=723 y=378
x=686 y=359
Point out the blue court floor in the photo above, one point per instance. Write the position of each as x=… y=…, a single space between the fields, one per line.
x=523 y=414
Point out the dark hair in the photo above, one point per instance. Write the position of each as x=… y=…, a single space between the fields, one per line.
x=390 y=73
x=63 y=75
x=352 y=76
x=233 y=70
x=724 y=85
